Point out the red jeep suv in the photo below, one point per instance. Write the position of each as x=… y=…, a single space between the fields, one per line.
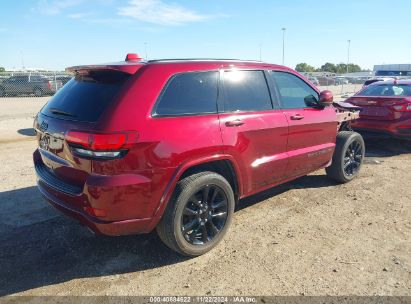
x=174 y=144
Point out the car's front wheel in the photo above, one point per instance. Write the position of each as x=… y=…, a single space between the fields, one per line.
x=348 y=157
x=198 y=215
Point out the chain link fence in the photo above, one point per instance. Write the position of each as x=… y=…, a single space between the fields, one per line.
x=31 y=84
x=44 y=84
x=338 y=84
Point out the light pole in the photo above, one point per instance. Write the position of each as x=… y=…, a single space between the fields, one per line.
x=348 y=54
x=145 y=50
x=283 y=29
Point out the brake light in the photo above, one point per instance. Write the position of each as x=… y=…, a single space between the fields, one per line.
x=403 y=107
x=101 y=145
x=49 y=84
x=133 y=57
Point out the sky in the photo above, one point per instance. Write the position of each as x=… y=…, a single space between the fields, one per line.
x=54 y=34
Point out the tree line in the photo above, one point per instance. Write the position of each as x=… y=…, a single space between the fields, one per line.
x=340 y=68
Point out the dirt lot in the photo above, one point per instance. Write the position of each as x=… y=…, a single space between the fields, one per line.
x=309 y=237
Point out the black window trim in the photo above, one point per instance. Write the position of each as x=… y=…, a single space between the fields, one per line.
x=223 y=100
x=278 y=91
x=154 y=113
x=273 y=90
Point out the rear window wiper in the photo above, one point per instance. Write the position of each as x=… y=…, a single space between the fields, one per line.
x=61 y=112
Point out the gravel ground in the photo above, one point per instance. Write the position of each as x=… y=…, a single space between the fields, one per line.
x=309 y=237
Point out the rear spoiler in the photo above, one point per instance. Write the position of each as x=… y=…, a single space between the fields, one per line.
x=125 y=67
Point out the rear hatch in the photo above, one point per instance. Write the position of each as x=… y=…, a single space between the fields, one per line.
x=65 y=123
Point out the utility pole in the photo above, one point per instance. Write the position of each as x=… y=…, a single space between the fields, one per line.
x=283 y=29
x=348 y=54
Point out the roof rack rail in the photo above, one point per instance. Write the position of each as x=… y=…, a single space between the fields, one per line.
x=201 y=59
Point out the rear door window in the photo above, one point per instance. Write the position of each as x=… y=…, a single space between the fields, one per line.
x=246 y=90
x=189 y=94
x=294 y=92
x=86 y=97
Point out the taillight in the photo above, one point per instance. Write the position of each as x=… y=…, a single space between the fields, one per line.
x=101 y=145
x=49 y=85
x=402 y=108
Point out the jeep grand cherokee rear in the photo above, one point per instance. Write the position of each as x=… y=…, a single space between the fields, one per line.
x=174 y=144
x=83 y=163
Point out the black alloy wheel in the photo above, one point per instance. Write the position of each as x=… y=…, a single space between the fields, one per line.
x=347 y=158
x=353 y=158
x=204 y=215
x=198 y=214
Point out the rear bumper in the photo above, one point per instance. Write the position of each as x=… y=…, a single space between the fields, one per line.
x=134 y=226
x=130 y=202
x=400 y=129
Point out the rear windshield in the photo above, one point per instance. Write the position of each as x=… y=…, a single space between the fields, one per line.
x=386 y=90
x=85 y=97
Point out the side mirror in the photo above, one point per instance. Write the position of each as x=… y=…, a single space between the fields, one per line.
x=311 y=101
x=326 y=98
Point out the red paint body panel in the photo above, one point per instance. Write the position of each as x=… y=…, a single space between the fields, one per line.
x=258 y=146
x=269 y=148
x=311 y=140
x=400 y=128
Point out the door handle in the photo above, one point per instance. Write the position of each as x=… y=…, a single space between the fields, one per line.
x=234 y=123
x=297 y=117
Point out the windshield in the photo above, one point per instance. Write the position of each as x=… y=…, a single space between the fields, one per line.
x=85 y=97
x=386 y=90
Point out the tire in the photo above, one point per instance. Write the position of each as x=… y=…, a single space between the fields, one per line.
x=348 y=157
x=38 y=92
x=187 y=197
